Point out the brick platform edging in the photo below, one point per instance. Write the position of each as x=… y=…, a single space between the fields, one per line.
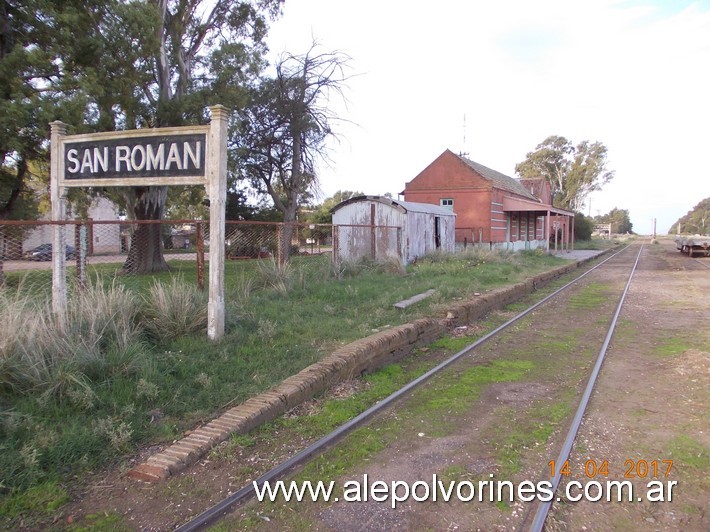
x=349 y=361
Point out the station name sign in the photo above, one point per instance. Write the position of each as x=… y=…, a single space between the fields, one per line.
x=151 y=156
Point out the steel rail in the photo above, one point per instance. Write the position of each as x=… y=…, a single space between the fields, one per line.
x=216 y=512
x=544 y=507
x=703 y=263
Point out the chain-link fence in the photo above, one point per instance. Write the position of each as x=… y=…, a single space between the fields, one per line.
x=94 y=249
x=138 y=252
x=255 y=240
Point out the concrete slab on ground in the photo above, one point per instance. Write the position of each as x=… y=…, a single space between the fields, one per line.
x=579 y=254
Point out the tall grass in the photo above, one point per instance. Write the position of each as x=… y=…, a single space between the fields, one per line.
x=39 y=354
x=102 y=334
x=75 y=392
x=476 y=256
x=277 y=275
x=173 y=309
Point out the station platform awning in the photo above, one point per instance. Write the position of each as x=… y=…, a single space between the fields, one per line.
x=556 y=219
x=523 y=205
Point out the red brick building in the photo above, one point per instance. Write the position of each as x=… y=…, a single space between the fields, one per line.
x=491 y=208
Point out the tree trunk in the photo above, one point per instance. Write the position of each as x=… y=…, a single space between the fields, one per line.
x=292 y=195
x=146 y=252
x=288 y=229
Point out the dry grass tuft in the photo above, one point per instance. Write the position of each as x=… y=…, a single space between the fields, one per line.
x=173 y=309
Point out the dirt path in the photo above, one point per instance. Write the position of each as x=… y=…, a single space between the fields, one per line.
x=502 y=413
x=23 y=265
x=652 y=402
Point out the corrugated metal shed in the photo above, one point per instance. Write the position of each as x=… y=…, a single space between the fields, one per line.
x=379 y=227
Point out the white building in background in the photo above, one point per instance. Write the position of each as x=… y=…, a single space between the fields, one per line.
x=101 y=238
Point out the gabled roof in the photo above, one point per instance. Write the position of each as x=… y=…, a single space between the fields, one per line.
x=403 y=206
x=498 y=180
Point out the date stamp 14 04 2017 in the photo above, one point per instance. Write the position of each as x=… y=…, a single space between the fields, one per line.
x=617 y=490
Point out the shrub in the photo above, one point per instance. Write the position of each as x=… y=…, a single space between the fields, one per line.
x=39 y=354
x=276 y=275
x=174 y=308
x=583 y=227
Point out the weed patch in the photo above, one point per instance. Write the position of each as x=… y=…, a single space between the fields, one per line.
x=519 y=434
x=672 y=347
x=108 y=522
x=174 y=309
x=591 y=297
x=690 y=453
x=42 y=500
x=452 y=394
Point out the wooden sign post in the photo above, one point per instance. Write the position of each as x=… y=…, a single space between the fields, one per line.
x=191 y=155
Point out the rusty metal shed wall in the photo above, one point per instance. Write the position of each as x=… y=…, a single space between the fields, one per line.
x=357 y=242
x=415 y=239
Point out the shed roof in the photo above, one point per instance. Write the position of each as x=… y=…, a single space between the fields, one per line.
x=403 y=206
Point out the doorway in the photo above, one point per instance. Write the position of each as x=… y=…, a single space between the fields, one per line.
x=437 y=232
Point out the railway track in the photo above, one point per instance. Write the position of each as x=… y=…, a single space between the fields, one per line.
x=626 y=260
x=538 y=520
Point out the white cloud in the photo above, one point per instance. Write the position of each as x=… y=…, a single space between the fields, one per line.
x=632 y=75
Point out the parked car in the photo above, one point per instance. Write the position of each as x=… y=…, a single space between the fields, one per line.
x=44 y=252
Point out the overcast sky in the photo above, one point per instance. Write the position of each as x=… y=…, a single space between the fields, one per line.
x=634 y=75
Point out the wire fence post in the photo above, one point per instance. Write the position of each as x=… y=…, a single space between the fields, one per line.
x=200 y=255
x=336 y=244
x=279 y=244
x=80 y=252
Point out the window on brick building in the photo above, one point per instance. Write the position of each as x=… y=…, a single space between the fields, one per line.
x=447 y=202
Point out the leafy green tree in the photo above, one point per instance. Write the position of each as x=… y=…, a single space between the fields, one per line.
x=192 y=53
x=573 y=171
x=322 y=215
x=31 y=95
x=121 y=64
x=619 y=218
x=583 y=227
x=240 y=208
x=697 y=221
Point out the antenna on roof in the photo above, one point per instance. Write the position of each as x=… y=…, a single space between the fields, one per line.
x=464 y=153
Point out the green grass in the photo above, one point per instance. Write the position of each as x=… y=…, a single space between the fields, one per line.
x=108 y=522
x=596 y=244
x=41 y=500
x=451 y=394
x=454 y=344
x=111 y=407
x=519 y=435
x=672 y=347
x=690 y=453
x=591 y=297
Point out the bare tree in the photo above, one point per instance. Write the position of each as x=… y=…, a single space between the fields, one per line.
x=283 y=133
